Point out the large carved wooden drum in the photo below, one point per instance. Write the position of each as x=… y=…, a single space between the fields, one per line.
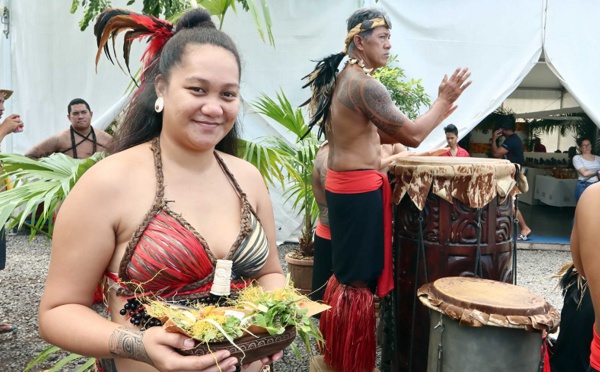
x=484 y=325
x=453 y=217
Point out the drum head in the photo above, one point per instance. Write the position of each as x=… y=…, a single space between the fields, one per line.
x=478 y=302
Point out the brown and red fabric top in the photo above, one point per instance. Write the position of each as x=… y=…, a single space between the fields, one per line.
x=167 y=257
x=473 y=181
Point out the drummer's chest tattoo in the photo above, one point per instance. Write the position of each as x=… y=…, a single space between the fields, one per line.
x=127 y=343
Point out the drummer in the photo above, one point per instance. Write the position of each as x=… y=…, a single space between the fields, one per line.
x=584 y=249
x=357 y=114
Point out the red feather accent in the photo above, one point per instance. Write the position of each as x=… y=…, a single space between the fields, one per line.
x=349 y=328
x=161 y=32
x=114 y=21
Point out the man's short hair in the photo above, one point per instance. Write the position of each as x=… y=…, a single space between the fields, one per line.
x=77 y=101
x=507 y=122
x=364 y=14
x=451 y=128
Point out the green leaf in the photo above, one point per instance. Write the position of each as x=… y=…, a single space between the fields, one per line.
x=268 y=22
x=44 y=182
x=64 y=361
x=41 y=357
x=87 y=366
x=216 y=7
x=409 y=96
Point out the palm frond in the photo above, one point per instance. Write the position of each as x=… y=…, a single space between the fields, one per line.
x=45 y=182
x=295 y=160
x=41 y=357
x=282 y=112
x=267 y=159
x=70 y=357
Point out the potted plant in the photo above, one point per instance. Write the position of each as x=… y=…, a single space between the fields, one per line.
x=293 y=163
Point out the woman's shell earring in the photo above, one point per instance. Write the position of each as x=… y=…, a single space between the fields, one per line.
x=159 y=104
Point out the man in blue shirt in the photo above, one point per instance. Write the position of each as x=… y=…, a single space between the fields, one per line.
x=511 y=149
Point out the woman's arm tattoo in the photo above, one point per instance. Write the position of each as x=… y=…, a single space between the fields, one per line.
x=127 y=343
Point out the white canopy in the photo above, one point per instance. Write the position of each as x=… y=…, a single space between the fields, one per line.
x=48 y=61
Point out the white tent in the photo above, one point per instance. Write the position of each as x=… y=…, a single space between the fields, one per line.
x=48 y=61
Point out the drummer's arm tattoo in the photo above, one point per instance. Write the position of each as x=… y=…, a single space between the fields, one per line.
x=371 y=97
x=128 y=343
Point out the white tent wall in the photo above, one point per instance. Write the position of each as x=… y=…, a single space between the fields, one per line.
x=500 y=42
x=571 y=51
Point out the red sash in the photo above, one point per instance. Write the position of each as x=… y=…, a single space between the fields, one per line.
x=323 y=231
x=595 y=351
x=360 y=181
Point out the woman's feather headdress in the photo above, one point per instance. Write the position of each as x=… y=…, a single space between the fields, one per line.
x=114 y=21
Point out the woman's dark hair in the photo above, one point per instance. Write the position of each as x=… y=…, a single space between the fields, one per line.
x=451 y=128
x=141 y=122
x=580 y=140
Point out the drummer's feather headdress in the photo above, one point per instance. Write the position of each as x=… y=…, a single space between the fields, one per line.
x=323 y=78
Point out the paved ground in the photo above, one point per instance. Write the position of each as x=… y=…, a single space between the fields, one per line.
x=23 y=279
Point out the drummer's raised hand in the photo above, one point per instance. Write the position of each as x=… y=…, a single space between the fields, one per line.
x=452 y=87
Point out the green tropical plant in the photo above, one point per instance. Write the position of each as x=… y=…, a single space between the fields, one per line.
x=289 y=162
x=38 y=184
x=39 y=188
x=408 y=95
x=71 y=357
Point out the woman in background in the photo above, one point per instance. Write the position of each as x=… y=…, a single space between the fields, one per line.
x=587 y=166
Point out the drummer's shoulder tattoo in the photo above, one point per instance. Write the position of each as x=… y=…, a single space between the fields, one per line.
x=127 y=343
x=379 y=107
x=370 y=96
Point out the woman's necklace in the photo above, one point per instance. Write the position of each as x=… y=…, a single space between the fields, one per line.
x=360 y=63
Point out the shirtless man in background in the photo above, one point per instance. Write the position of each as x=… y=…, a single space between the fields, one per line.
x=80 y=141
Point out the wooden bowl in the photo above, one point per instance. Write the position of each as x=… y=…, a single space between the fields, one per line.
x=253 y=347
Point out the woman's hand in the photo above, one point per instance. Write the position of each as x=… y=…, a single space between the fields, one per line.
x=268 y=360
x=160 y=344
